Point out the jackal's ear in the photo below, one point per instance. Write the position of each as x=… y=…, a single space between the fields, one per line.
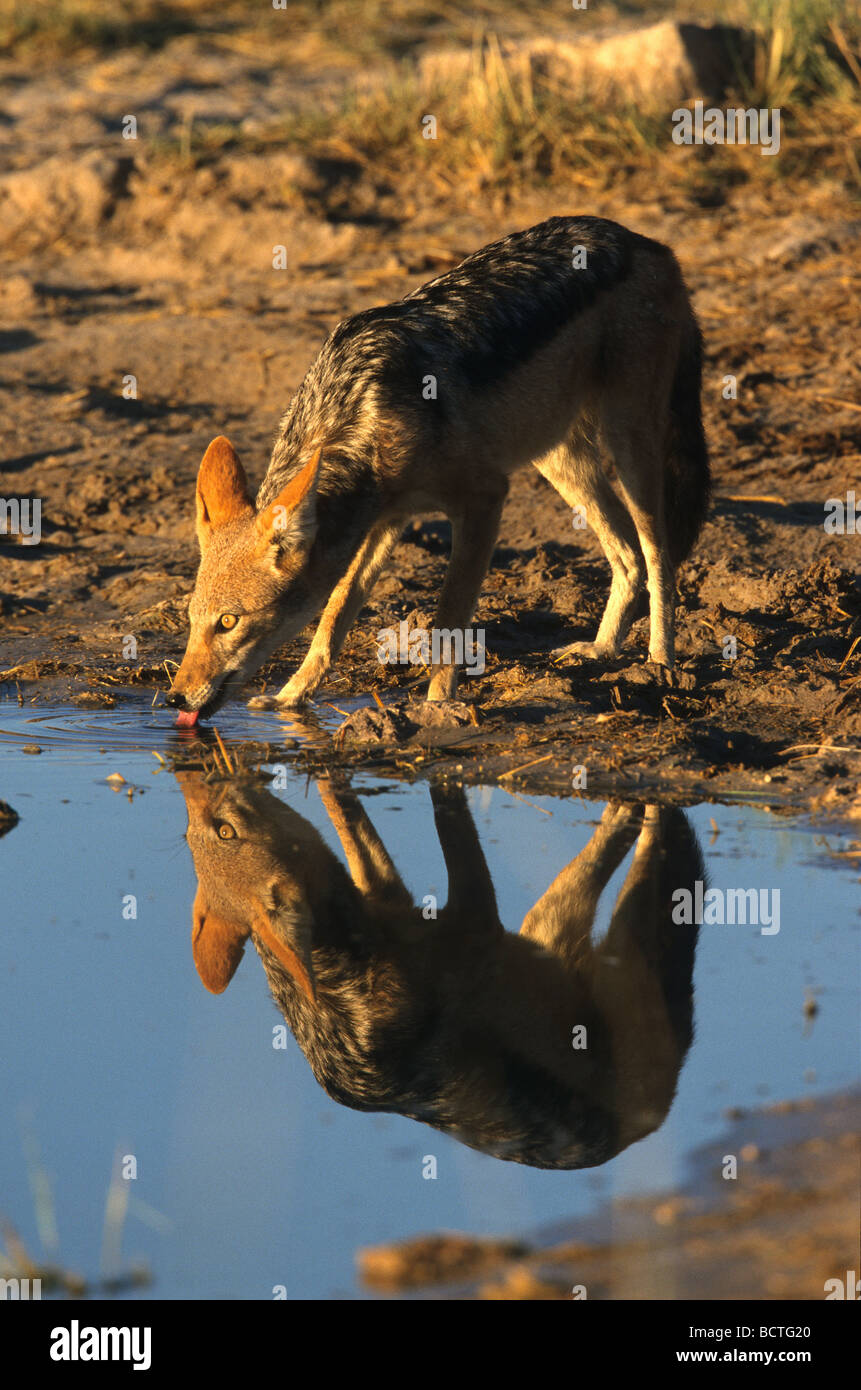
x=222 y=489
x=291 y=520
x=298 y=963
x=217 y=945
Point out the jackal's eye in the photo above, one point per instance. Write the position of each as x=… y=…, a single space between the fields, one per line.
x=227 y=621
x=226 y=831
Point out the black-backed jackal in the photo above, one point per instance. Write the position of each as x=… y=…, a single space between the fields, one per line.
x=569 y=346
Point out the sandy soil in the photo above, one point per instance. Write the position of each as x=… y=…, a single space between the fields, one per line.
x=780 y=1230
x=121 y=260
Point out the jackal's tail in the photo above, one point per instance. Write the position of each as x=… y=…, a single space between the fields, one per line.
x=687 y=480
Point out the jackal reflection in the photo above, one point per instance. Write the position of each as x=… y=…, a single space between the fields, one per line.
x=455 y=1021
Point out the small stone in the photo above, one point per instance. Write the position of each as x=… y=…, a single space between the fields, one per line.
x=668 y=1212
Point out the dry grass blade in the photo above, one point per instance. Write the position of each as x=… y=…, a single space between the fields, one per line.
x=836 y=400
x=849 y=57
x=849 y=653
x=524 y=766
x=224 y=752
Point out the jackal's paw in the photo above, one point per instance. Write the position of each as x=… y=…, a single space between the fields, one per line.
x=617 y=814
x=659 y=673
x=668 y=676
x=280 y=701
x=263 y=702
x=590 y=650
x=443 y=686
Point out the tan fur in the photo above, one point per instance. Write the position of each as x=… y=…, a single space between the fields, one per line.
x=217 y=944
x=222 y=489
x=297 y=491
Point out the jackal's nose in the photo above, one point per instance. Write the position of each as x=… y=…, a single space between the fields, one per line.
x=175 y=699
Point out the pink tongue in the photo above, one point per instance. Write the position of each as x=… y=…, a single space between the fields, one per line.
x=186 y=719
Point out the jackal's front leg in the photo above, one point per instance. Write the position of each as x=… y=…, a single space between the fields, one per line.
x=473 y=537
x=371 y=866
x=345 y=602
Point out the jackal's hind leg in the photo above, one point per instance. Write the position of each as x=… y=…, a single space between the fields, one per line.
x=578 y=476
x=640 y=473
x=473 y=537
x=562 y=918
x=345 y=603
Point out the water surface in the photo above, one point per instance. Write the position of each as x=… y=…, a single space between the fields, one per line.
x=249 y=1176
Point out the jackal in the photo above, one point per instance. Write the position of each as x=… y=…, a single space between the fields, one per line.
x=570 y=346
x=540 y=1047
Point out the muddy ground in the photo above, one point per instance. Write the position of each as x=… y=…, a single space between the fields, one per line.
x=153 y=258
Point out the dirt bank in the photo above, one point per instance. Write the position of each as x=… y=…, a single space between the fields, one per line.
x=152 y=259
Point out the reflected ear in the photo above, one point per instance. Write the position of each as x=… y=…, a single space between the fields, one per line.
x=301 y=970
x=222 y=489
x=217 y=945
x=291 y=520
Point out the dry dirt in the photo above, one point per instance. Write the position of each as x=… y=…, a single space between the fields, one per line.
x=121 y=258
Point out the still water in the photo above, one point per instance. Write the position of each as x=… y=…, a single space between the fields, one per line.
x=250 y=1026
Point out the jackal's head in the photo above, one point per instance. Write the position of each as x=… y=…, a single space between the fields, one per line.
x=243 y=856
x=252 y=591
